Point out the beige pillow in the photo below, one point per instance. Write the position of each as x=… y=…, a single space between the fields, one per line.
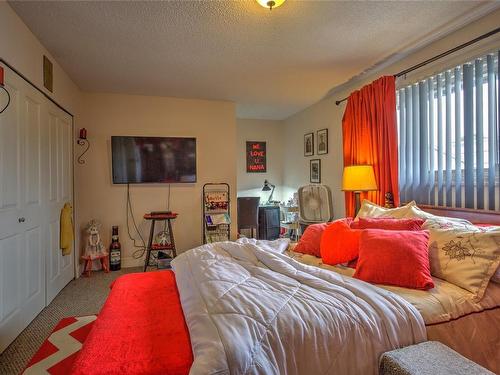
x=370 y=209
x=416 y=212
x=463 y=254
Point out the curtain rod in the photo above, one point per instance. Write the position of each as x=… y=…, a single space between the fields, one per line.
x=441 y=55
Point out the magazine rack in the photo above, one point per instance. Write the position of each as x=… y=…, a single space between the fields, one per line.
x=216 y=212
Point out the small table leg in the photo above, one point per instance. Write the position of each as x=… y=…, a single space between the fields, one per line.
x=105 y=264
x=87 y=269
x=150 y=243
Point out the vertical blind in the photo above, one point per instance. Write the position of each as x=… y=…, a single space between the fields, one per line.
x=449 y=137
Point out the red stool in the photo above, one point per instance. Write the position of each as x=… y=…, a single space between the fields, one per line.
x=87 y=268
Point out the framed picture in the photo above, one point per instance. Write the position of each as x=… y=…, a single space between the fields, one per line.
x=322 y=138
x=256 y=157
x=315 y=171
x=309 y=144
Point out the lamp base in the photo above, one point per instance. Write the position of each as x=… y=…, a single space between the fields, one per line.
x=357 y=200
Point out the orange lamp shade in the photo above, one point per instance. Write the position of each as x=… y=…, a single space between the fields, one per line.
x=359 y=178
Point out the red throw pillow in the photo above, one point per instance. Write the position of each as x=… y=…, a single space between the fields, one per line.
x=310 y=241
x=389 y=223
x=339 y=243
x=398 y=258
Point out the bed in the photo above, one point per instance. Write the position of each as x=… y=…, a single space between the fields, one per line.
x=251 y=308
x=450 y=313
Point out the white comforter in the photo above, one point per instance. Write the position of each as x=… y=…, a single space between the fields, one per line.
x=256 y=311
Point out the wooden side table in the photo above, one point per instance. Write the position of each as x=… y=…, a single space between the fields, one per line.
x=87 y=267
x=168 y=217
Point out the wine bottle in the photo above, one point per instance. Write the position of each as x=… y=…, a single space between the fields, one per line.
x=115 y=251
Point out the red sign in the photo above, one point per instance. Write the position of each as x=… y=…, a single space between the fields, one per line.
x=256 y=157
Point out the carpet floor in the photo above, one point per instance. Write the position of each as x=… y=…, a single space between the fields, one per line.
x=84 y=296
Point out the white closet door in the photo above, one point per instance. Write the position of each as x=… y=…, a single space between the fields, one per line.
x=11 y=231
x=60 y=269
x=32 y=219
x=22 y=258
x=27 y=212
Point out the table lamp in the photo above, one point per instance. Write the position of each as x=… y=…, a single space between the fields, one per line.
x=267 y=187
x=358 y=178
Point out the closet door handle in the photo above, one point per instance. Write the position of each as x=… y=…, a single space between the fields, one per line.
x=21 y=219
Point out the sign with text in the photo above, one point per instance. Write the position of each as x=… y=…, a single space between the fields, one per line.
x=256 y=157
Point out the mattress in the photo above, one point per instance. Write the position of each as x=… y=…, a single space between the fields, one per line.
x=443 y=303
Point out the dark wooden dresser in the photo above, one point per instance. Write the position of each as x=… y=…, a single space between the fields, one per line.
x=269 y=222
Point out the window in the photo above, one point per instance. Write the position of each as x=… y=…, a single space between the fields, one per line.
x=449 y=137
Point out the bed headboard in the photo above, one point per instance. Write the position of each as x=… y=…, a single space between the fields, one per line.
x=474 y=216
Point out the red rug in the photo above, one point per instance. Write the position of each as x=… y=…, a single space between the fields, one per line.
x=58 y=352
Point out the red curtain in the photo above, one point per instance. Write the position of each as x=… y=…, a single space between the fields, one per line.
x=370 y=136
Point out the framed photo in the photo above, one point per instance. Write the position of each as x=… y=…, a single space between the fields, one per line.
x=322 y=138
x=315 y=171
x=309 y=144
x=256 y=157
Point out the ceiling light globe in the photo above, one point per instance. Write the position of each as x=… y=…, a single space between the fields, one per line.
x=271 y=4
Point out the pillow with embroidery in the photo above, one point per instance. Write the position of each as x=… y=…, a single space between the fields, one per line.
x=463 y=254
x=369 y=209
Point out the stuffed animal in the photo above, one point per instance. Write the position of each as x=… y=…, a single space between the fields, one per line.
x=389 y=200
x=94 y=247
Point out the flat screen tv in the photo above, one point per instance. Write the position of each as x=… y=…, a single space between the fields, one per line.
x=153 y=160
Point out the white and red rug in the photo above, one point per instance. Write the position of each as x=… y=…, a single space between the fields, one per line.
x=58 y=352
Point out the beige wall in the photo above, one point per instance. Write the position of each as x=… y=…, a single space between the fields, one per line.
x=21 y=49
x=325 y=114
x=221 y=152
x=211 y=122
x=250 y=184
x=319 y=116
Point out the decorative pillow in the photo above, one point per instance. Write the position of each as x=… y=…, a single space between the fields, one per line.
x=388 y=223
x=416 y=212
x=339 y=243
x=370 y=209
x=394 y=258
x=310 y=241
x=465 y=255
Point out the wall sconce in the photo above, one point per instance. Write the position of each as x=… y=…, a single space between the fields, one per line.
x=82 y=141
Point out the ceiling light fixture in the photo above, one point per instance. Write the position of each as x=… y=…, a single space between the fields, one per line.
x=270 y=3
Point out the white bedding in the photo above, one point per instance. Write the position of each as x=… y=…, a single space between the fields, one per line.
x=255 y=311
x=443 y=303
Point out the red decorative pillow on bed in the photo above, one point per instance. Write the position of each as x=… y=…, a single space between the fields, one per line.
x=339 y=243
x=310 y=241
x=398 y=258
x=388 y=223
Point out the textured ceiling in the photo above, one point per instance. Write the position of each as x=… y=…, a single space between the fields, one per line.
x=272 y=64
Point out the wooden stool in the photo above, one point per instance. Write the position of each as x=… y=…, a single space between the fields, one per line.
x=153 y=247
x=87 y=268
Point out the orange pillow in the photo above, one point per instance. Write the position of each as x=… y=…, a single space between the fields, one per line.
x=339 y=243
x=310 y=241
x=398 y=258
x=388 y=223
